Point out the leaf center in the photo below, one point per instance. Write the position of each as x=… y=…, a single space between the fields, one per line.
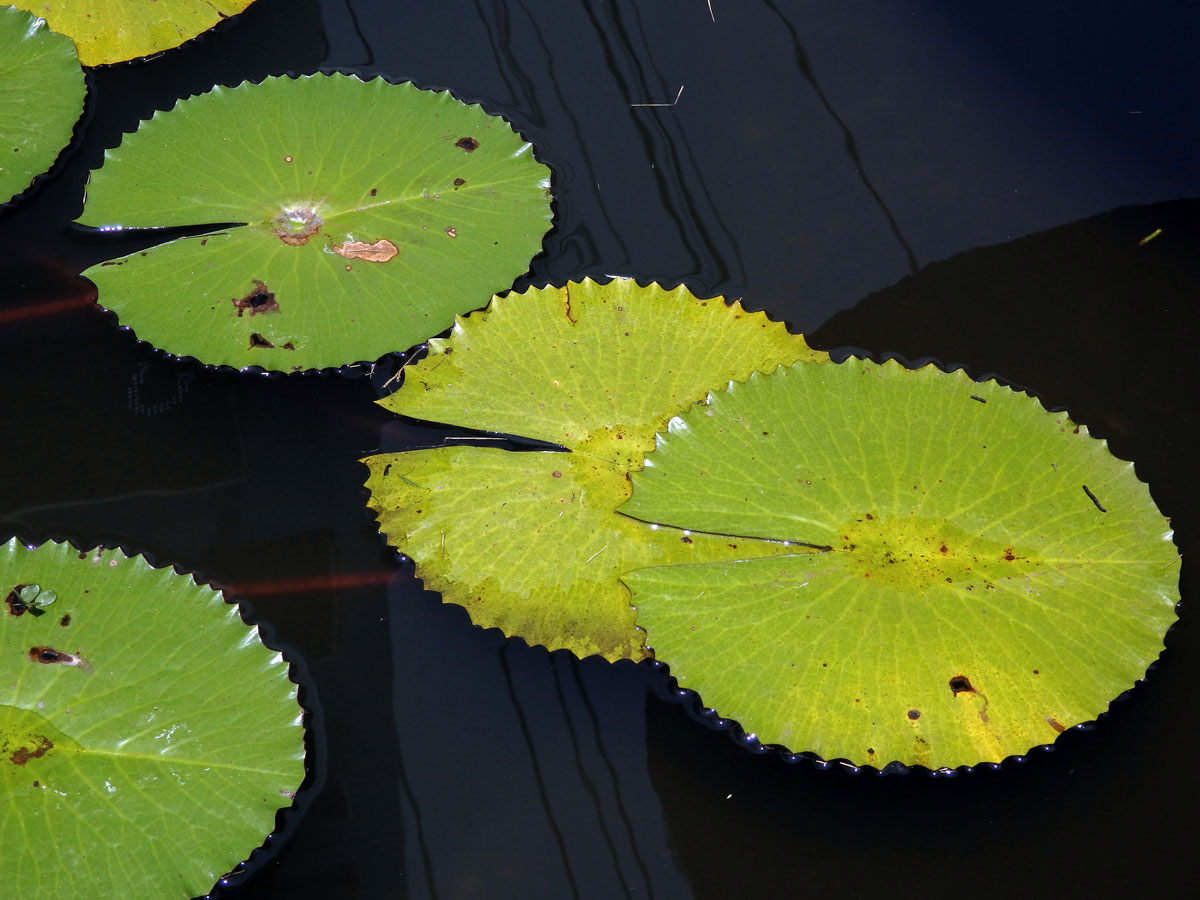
x=919 y=553
x=294 y=225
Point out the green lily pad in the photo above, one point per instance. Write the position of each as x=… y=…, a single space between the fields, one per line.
x=41 y=98
x=109 y=31
x=374 y=213
x=991 y=574
x=529 y=541
x=147 y=737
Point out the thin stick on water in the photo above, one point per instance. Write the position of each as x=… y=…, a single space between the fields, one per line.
x=672 y=103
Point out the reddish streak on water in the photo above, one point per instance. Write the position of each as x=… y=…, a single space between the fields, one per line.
x=311 y=583
x=48 y=308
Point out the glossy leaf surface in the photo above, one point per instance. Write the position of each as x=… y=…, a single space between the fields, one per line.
x=374 y=212
x=147 y=737
x=41 y=97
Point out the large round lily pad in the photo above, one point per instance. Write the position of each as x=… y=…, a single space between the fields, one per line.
x=374 y=212
x=41 y=97
x=529 y=542
x=987 y=573
x=147 y=737
x=109 y=31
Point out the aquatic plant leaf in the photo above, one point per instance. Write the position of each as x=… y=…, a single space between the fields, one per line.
x=529 y=541
x=41 y=98
x=993 y=575
x=147 y=737
x=374 y=213
x=109 y=31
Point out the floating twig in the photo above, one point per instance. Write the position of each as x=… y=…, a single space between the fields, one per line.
x=672 y=103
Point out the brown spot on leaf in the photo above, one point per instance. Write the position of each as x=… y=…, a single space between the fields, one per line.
x=459 y=182
x=1055 y=724
x=914 y=714
x=257 y=340
x=23 y=755
x=468 y=144
x=556 y=474
x=380 y=251
x=373 y=191
x=1009 y=554
x=289 y=346
x=65 y=620
x=686 y=539
x=16 y=606
x=453 y=232
x=260 y=300
x=49 y=656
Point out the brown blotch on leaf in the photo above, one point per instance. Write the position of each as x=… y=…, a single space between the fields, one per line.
x=23 y=755
x=49 y=656
x=289 y=346
x=260 y=300
x=468 y=144
x=961 y=684
x=380 y=251
x=257 y=340
x=16 y=606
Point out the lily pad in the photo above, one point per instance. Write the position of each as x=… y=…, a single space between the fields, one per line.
x=41 y=98
x=529 y=541
x=991 y=574
x=147 y=737
x=374 y=212
x=109 y=31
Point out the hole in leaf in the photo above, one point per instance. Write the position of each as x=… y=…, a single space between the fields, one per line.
x=259 y=300
x=960 y=684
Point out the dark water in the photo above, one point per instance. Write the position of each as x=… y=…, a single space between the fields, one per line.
x=924 y=178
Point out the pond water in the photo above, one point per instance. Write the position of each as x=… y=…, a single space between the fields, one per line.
x=925 y=178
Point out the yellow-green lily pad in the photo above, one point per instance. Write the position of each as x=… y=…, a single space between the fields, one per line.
x=987 y=575
x=529 y=541
x=109 y=31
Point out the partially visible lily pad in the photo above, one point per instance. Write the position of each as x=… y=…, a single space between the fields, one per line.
x=41 y=97
x=990 y=574
x=109 y=31
x=529 y=541
x=147 y=737
x=373 y=213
